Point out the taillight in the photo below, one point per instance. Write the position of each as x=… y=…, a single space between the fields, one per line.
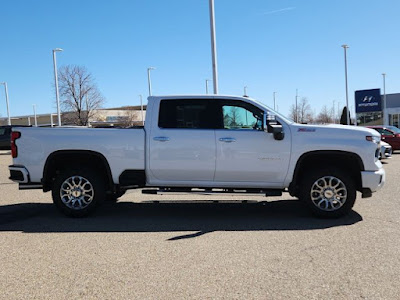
x=14 y=149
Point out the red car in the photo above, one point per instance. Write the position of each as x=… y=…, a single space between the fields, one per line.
x=390 y=134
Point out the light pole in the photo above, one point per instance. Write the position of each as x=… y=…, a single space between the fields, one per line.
x=56 y=83
x=34 y=113
x=384 y=99
x=141 y=108
x=149 y=79
x=207 y=80
x=8 y=107
x=245 y=91
x=345 y=47
x=296 y=105
x=274 y=101
x=87 y=110
x=213 y=47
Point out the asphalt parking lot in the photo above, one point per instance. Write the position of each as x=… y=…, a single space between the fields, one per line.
x=192 y=247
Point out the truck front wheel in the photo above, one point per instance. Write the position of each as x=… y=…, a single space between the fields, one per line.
x=78 y=191
x=329 y=193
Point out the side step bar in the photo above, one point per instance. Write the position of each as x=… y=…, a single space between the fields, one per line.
x=205 y=191
x=27 y=186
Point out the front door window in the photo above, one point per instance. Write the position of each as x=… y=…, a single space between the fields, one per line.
x=237 y=118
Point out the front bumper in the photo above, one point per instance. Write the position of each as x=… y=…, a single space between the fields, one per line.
x=373 y=180
x=388 y=152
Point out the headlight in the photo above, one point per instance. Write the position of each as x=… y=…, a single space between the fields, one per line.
x=374 y=139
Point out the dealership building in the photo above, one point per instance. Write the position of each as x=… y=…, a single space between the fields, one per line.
x=372 y=109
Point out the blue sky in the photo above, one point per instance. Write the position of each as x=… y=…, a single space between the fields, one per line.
x=266 y=45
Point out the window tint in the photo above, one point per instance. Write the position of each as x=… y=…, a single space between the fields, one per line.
x=394 y=129
x=193 y=114
x=386 y=132
x=239 y=117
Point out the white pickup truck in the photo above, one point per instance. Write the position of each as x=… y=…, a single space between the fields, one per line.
x=203 y=144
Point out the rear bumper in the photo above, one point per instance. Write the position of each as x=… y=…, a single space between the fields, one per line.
x=373 y=180
x=20 y=175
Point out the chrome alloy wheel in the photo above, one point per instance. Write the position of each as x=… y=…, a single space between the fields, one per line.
x=328 y=193
x=76 y=192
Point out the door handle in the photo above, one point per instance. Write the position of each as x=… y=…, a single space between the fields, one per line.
x=161 y=138
x=227 y=139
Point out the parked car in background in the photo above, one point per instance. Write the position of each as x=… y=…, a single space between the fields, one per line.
x=5 y=136
x=386 y=150
x=389 y=134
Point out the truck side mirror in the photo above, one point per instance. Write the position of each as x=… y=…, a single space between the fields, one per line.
x=272 y=126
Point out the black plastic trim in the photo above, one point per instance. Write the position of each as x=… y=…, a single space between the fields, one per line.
x=16 y=175
x=132 y=178
x=306 y=155
x=45 y=179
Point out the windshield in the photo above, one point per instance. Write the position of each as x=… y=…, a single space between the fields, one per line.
x=393 y=128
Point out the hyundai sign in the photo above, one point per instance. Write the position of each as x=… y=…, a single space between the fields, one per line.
x=368 y=100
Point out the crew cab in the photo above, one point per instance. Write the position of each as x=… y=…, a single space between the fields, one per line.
x=201 y=143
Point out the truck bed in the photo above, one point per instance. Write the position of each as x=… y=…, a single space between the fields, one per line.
x=123 y=148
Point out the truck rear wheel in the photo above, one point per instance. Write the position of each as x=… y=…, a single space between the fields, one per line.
x=329 y=193
x=78 y=191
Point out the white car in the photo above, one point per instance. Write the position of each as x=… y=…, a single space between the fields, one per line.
x=386 y=150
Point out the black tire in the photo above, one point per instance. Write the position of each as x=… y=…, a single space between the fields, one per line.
x=328 y=202
x=82 y=204
x=114 y=196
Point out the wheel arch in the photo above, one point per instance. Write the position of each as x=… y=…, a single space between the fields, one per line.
x=58 y=160
x=349 y=161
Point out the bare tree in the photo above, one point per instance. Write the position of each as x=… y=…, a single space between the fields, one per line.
x=79 y=94
x=131 y=118
x=293 y=114
x=304 y=113
x=325 y=116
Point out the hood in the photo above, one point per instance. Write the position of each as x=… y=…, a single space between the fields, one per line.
x=336 y=130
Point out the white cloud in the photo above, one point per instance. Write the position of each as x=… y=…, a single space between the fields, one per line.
x=278 y=11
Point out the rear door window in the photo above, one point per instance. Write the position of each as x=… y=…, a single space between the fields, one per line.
x=187 y=114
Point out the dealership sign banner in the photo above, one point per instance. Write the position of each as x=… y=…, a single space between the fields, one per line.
x=368 y=100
